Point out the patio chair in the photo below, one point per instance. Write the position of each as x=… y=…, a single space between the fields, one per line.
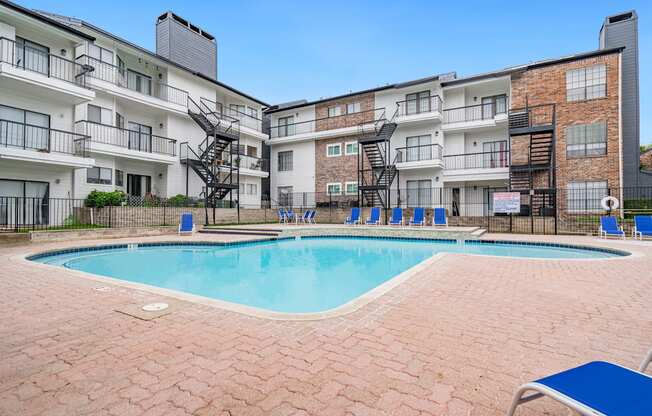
x=290 y=215
x=313 y=214
x=305 y=218
x=374 y=217
x=609 y=227
x=439 y=217
x=354 y=218
x=418 y=217
x=595 y=388
x=642 y=226
x=282 y=216
x=186 y=224
x=397 y=216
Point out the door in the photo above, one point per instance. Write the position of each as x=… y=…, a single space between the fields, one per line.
x=455 y=203
x=24 y=129
x=139 y=82
x=418 y=102
x=24 y=203
x=494 y=154
x=134 y=185
x=487 y=108
x=140 y=137
x=285 y=196
x=32 y=56
x=419 y=193
x=418 y=148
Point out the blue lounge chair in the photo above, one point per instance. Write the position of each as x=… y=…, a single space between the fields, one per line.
x=290 y=215
x=305 y=218
x=186 y=224
x=595 y=388
x=418 y=218
x=439 y=217
x=609 y=227
x=313 y=214
x=282 y=216
x=374 y=217
x=397 y=216
x=642 y=226
x=354 y=218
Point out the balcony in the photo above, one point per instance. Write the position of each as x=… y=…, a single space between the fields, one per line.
x=532 y=119
x=342 y=125
x=251 y=165
x=418 y=110
x=477 y=166
x=419 y=157
x=249 y=124
x=122 y=142
x=133 y=86
x=473 y=117
x=30 y=143
x=42 y=74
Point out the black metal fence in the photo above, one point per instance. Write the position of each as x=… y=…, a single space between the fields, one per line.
x=573 y=210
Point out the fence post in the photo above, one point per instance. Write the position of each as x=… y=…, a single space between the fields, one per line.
x=164 y=223
x=110 y=224
x=16 y=214
x=330 y=208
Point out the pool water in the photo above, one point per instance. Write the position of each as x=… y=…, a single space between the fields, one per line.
x=290 y=275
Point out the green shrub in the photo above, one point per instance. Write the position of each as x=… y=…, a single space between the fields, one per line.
x=179 y=200
x=99 y=199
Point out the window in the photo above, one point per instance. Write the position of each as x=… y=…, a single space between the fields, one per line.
x=119 y=178
x=285 y=126
x=419 y=193
x=418 y=102
x=494 y=154
x=242 y=188
x=237 y=109
x=284 y=194
x=333 y=150
x=32 y=56
x=285 y=161
x=586 y=140
x=586 y=196
x=37 y=211
x=496 y=104
x=140 y=137
x=352 y=108
x=252 y=112
x=98 y=114
x=351 y=148
x=119 y=121
x=101 y=54
x=98 y=175
x=334 y=189
x=586 y=83
x=139 y=82
x=351 y=188
x=252 y=151
x=334 y=111
x=252 y=189
x=418 y=148
x=22 y=128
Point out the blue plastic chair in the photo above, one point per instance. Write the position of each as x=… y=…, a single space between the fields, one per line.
x=289 y=215
x=439 y=217
x=313 y=214
x=418 y=218
x=609 y=227
x=282 y=216
x=642 y=226
x=397 y=216
x=354 y=218
x=595 y=388
x=374 y=217
x=305 y=218
x=186 y=224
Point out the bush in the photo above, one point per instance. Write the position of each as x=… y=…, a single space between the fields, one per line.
x=179 y=200
x=99 y=199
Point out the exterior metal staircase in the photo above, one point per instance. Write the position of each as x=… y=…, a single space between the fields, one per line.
x=375 y=172
x=216 y=158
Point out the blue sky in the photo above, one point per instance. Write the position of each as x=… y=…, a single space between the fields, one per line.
x=285 y=50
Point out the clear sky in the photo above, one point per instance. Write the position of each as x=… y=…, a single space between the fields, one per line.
x=286 y=50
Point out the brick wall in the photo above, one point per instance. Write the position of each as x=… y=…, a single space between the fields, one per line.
x=366 y=115
x=646 y=160
x=548 y=85
x=339 y=169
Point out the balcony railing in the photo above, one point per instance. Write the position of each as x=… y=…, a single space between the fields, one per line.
x=328 y=123
x=246 y=120
x=532 y=116
x=34 y=60
x=476 y=112
x=135 y=82
x=481 y=160
x=129 y=139
x=248 y=162
x=418 y=106
x=42 y=139
x=419 y=153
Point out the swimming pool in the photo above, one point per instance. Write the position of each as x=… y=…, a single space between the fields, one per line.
x=312 y=274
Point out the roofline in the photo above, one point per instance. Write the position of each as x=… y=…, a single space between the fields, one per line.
x=271 y=109
x=534 y=65
x=45 y=19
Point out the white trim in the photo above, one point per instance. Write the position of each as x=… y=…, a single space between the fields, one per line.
x=334 y=183
x=329 y=146
x=346 y=184
x=346 y=153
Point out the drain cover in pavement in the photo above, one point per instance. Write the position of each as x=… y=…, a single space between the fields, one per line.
x=155 y=307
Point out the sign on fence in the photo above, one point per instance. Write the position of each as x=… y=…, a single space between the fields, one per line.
x=507 y=202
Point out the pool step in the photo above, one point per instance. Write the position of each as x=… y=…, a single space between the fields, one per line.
x=242 y=231
x=478 y=233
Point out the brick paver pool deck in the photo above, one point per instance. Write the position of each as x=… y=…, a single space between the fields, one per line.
x=457 y=339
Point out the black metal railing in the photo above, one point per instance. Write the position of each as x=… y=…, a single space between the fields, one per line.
x=361 y=118
x=124 y=78
x=419 y=106
x=532 y=116
x=477 y=112
x=129 y=139
x=481 y=160
x=246 y=120
x=223 y=123
x=35 y=60
x=41 y=139
x=419 y=153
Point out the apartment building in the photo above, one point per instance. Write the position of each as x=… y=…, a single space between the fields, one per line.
x=552 y=130
x=82 y=109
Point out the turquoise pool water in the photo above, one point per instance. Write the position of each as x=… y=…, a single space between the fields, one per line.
x=306 y=275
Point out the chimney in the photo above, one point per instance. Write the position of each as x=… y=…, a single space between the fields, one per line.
x=186 y=44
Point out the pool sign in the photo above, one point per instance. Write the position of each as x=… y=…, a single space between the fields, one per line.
x=507 y=202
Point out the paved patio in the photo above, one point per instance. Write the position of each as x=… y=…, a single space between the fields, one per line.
x=455 y=340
